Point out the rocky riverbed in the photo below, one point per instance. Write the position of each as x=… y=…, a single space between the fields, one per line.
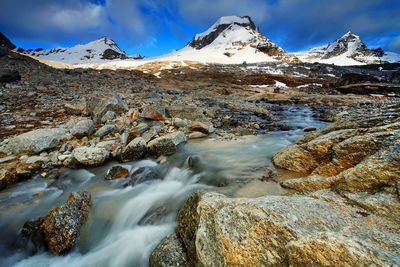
x=343 y=210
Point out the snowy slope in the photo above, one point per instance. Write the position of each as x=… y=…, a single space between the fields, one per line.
x=99 y=51
x=347 y=50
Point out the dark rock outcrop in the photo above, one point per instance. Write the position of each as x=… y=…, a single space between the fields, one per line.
x=8 y=76
x=4 y=41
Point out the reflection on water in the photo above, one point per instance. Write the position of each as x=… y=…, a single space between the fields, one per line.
x=127 y=222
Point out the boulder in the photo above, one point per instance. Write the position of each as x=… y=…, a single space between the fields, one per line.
x=116 y=172
x=75 y=109
x=6 y=178
x=197 y=126
x=295 y=158
x=356 y=154
x=90 y=156
x=166 y=145
x=187 y=112
x=35 y=141
x=7 y=75
x=284 y=231
x=153 y=112
x=62 y=225
x=98 y=107
x=109 y=116
x=169 y=252
x=82 y=128
x=136 y=149
x=106 y=129
x=149 y=134
x=179 y=123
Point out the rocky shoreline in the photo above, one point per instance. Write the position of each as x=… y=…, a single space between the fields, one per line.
x=347 y=207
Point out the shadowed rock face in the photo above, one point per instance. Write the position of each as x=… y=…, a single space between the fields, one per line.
x=5 y=42
x=62 y=224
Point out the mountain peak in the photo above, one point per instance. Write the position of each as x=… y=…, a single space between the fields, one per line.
x=237 y=37
x=203 y=39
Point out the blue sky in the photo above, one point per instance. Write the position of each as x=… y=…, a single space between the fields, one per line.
x=155 y=27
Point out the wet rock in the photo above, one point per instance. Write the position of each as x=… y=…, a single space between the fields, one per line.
x=106 y=129
x=82 y=128
x=90 y=156
x=166 y=145
x=152 y=112
x=6 y=178
x=283 y=231
x=116 y=172
x=98 y=107
x=136 y=149
x=169 y=252
x=7 y=75
x=144 y=174
x=35 y=141
x=197 y=126
x=33 y=230
x=62 y=225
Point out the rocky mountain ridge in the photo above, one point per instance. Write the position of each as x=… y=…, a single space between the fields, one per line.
x=348 y=49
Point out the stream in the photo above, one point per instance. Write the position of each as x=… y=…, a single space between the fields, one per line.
x=127 y=222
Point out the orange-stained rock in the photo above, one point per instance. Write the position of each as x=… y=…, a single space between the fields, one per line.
x=116 y=172
x=62 y=225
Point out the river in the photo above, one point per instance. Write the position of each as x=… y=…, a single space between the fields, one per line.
x=127 y=222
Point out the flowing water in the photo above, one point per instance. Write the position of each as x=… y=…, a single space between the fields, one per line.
x=127 y=222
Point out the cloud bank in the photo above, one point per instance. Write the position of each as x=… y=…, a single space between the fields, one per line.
x=293 y=24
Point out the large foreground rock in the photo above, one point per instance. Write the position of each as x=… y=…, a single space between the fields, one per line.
x=284 y=231
x=35 y=141
x=166 y=145
x=90 y=156
x=62 y=224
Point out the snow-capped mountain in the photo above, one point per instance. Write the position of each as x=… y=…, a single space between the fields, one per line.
x=347 y=50
x=98 y=51
x=232 y=39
